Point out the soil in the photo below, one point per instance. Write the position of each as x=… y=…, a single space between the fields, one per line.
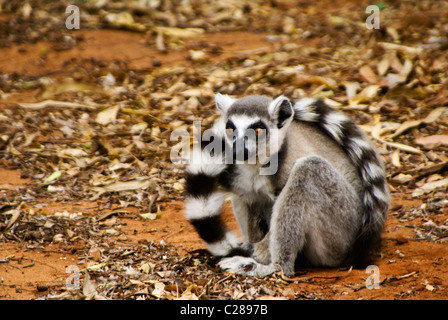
x=409 y=267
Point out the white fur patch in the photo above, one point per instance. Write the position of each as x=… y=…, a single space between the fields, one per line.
x=304 y=110
x=242 y=122
x=380 y=195
x=274 y=106
x=203 y=162
x=368 y=200
x=333 y=124
x=251 y=184
x=203 y=207
x=303 y=103
x=223 y=102
x=224 y=246
x=359 y=147
x=371 y=171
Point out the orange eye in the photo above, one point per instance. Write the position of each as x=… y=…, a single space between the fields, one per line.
x=259 y=132
x=229 y=131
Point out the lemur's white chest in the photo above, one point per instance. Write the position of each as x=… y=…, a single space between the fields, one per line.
x=250 y=185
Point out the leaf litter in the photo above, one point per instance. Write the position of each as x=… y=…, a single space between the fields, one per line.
x=100 y=130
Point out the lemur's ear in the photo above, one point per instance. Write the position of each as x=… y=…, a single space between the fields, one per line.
x=280 y=109
x=223 y=102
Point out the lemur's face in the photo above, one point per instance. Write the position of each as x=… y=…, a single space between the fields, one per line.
x=255 y=126
x=247 y=136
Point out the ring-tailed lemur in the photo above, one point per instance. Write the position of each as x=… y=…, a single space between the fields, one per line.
x=324 y=205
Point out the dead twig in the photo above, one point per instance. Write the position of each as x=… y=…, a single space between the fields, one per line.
x=309 y=279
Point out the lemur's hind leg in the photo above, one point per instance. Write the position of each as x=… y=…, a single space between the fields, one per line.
x=316 y=218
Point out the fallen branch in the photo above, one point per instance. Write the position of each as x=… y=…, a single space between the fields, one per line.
x=53 y=103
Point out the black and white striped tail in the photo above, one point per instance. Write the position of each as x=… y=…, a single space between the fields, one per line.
x=360 y=151
x=204 y=202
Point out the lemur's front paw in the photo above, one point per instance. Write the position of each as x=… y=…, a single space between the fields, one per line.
x=239 y=265
x=247 y=267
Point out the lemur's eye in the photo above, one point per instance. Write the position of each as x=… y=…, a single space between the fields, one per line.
x=259 y=132
x=229 y=131
x=259 y=128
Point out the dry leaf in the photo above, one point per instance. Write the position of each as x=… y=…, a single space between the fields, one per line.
x=435 y=114
x=68 y=86
x=435 y=139
x=368 y=74
x=152 y=216
x=429 y=286
x=404 y=70
x=395 y=158
x=405 y=126
x=124 y=20
x=107 y=116
x=376 y=131
x=88 y=289
x=178 y=186
x=407 y=68
x=430 y=186
x=351 y=88
x=159 y=290
x=367 y=94
x=267 y=297
x=72 y=152
x=54 y=176
x=394 y=79
x=432 y=116
x=181 y=33
x=96 y=267
x=328 y=82
x=403 y=147
x=188 y=295
x=383 y=66
x=402 y=178
x=15 y=214
x=397 y=47
x=126 y=186
x=197 y=55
